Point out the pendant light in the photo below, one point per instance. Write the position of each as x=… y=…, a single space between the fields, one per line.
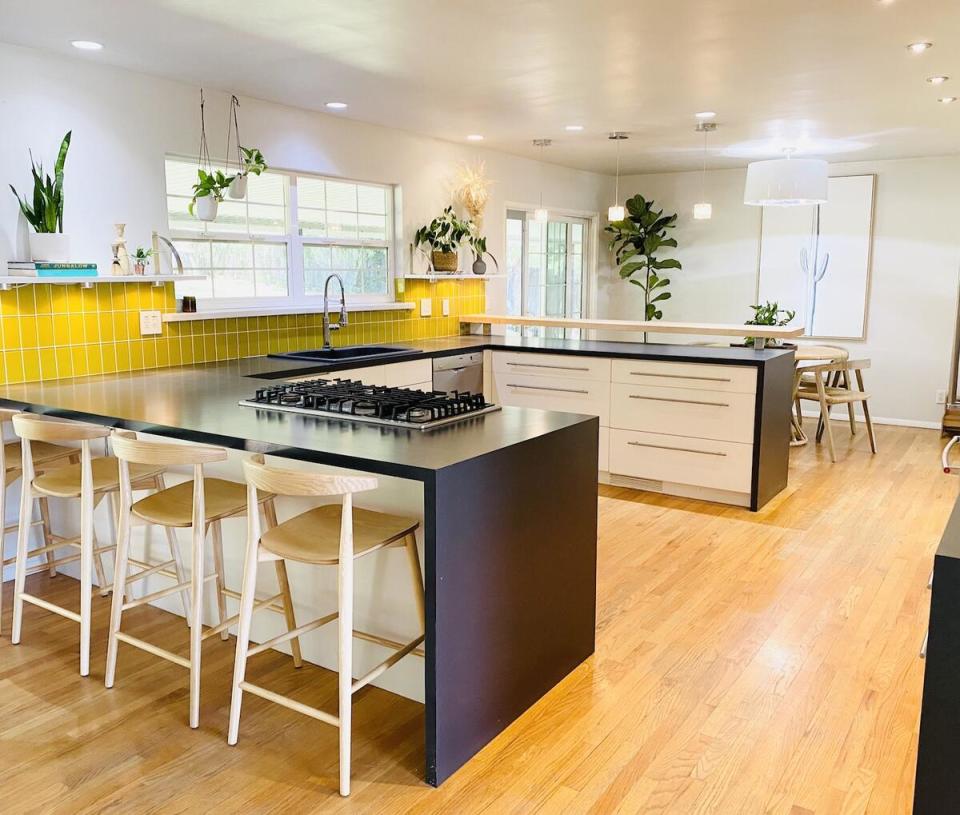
x=703 y=210
x=786 y=182
x=616 y=212
x=540 y=214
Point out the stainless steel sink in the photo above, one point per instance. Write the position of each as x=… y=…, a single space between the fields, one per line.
x=348 y=353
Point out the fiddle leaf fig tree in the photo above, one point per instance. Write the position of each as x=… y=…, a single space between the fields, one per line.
x=636 y=243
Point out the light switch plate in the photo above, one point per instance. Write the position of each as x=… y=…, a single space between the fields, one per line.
x=150 y=323
x=426 y=307
x=446 y=306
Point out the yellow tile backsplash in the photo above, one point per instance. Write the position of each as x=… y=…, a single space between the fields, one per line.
x=50 y=331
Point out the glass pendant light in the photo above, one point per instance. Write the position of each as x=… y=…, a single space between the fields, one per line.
x=540 y=214
x=616 y=212
x=703 y=210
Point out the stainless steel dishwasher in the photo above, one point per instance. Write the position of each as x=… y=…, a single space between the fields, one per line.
x=463 y=372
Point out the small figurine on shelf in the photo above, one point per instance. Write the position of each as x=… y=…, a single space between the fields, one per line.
x=141 y=259
x=121 y=258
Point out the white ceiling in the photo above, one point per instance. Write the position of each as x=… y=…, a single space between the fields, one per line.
x=832 y=77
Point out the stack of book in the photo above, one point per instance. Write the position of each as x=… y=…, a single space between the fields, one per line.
x=29 y=268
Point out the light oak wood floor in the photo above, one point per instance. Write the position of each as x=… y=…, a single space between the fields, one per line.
x=746 y=663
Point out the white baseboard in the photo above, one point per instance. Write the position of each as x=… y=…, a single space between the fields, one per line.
x=813 y=414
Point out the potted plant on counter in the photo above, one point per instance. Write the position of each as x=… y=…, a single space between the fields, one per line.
x=636 y=241
x=45 y=211
x=252 y=163
x=207 y=194
x=769 y=314
x=478 y=244
x=444 y=236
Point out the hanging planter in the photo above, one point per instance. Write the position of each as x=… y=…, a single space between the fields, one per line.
x=238 y=186
x=249 y=160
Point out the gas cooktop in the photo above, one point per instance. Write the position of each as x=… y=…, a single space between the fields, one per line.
x=348 y=399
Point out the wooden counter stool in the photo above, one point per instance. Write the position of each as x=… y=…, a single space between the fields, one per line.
x=201 y=505
x=329 y=535
x=89 y=480
x=44 y=454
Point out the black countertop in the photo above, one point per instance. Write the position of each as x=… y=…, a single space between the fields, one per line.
x=199 y=402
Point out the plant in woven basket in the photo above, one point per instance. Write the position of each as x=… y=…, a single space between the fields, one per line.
x=636 y=242
x=443 y=235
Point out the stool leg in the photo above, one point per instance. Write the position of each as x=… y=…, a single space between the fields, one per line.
x=51 y=556
x=161 y=484
x=345 y=664
x=23 y=531
x=119 y=593
x=196 y=630
x=86 y=562
x=410 y=542
x=270 y=513
x=220 y=581
x=98 y=559
x=247 y=595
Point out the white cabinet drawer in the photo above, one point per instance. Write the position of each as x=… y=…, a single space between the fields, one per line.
x=393 y=375
x=565 y=365
x=553 y=393
x=699 y=462
x=734 y=378
x=683 y=412
x=603 y=454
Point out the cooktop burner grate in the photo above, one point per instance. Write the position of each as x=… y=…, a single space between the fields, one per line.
x=349 y=399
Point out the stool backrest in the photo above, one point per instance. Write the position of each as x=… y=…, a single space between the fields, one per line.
x=127 y=447
x=38 y=428
x=295 y=482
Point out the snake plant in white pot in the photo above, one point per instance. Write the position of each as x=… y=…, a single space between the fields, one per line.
x=45 y=211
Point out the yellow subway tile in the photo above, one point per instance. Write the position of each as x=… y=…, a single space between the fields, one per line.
x=13 y=363
x=149 y=353
x=10 y=333
x=8 y=303
x=44 y=302
x=26 y=300
x=108 y=354
x=122 y=349
x=64 y=357
x=60 y=299
x=91 y=327
x=31 y=365
x=136 y=355
x=88 y=300
x=45 y=331
x=28 y=332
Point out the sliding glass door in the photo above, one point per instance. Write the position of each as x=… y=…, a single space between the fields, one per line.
x=545 y=267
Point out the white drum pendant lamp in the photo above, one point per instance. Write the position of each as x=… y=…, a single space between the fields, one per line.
x=786 y=182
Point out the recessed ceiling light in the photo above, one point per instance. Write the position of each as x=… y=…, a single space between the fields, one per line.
x=574 y=128
x=86 y=45
x=705 y=114
x=474 y=137
x=937 y=80
x=946 y=100
x=919 y=47
x=336 y=105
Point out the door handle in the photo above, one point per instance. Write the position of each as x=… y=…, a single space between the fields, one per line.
x=678 y=449
x=539 y=365
x=681 y=401
x=544 y=388
x=682 y=376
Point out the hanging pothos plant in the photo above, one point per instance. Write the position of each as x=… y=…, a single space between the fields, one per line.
x=636 y=242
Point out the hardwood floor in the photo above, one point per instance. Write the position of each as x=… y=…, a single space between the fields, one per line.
x=746 y=663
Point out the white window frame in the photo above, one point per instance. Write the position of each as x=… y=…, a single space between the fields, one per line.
x=294 y=242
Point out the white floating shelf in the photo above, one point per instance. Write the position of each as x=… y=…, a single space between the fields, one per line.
x=433 y=278
x=189 y=317
x=10 y=281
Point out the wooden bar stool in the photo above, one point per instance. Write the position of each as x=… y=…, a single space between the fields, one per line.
x=201 y=504
x=44 y=454
x=89 y=480
x=329 y=535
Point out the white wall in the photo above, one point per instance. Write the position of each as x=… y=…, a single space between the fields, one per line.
x=123 y=123
x=913 y=298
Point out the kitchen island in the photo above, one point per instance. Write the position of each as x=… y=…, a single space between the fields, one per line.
x=509 y=525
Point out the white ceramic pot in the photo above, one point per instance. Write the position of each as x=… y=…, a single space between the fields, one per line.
x=206 y=208
x=50 y=247
x=238 y=187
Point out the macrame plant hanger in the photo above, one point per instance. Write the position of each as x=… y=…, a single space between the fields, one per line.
x=233 y=129
x=203 y=157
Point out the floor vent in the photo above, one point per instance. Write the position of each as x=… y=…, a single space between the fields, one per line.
x=647 y=484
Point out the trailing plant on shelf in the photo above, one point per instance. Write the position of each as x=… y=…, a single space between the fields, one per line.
x=444 y=235
x=208 y=193
x=44 y=211
x=478 y=245
x=636 y=243
x=769 y=314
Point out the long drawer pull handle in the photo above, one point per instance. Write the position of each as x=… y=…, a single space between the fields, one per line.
x=683 y=376
x=681 y=401
x=542 y=388
x=678 y=449
x=552 y=367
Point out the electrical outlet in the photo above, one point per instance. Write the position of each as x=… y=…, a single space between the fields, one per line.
x=150 y=323
x=941 y=397
x=446 y=306
x=426 y=307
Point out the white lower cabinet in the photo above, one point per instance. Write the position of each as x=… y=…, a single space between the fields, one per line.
x=717 y=465
x=417 y=373
x=603 y=455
